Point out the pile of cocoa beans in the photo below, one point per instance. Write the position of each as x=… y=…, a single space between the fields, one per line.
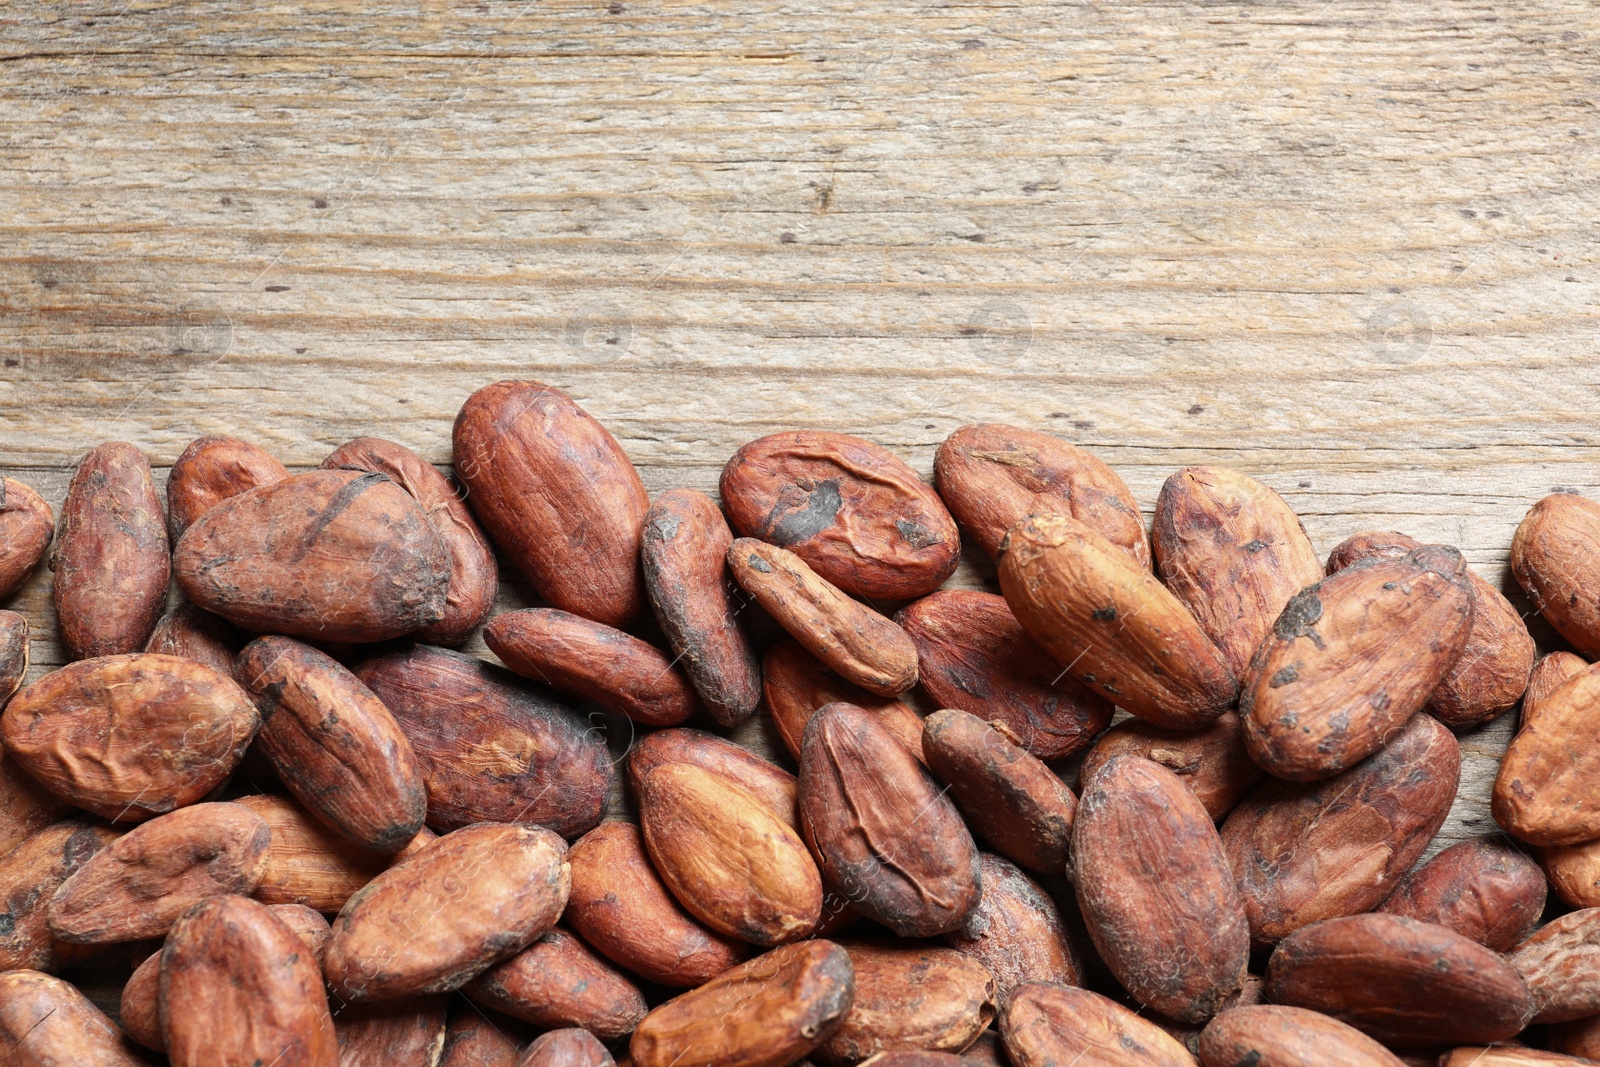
x=309 y=831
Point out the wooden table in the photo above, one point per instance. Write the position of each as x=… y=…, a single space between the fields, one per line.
x=1349 y=247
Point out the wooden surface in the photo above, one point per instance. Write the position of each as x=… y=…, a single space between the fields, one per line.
x=1349 y=247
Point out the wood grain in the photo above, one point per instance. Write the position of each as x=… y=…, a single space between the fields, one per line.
x=1348 y=247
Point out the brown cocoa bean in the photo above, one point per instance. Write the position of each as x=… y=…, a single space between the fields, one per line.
x=850 y=509
x=1544 y=793
x=1016 y=932
x=885 y=837
x=1492 y=671
x=1573 y=872
x=308 y=863
x=796 y=684
x=593 y=661
x=771 y=784
x=1139 y=831
x=557 y=494
x=433 y=921
x=1306 y=852
x=333 y=744
x=130 y=737
x=138 y=885
x=490 y=748
x=1580 y=1038
x=45 y=1022
x=1275 y=1036
x=26 y=526
x=26 y=807
x=1408 y=984
x=211 y=470
x=566 y=1048
x=391 y=1033
x=473 y=1040
x=1046 y=1025
x=1111 y=624
x=29 y=876
x=190 y=633
x=862 y=646
x=620 y=906
x=13 y=653
x=559 y=981
x=1554 y=558
x=992 y=476
x=972 y=654
x=110 y=557
x=327 y=555
x=1234 y=552
x=1352 y=658
x=1485 y=889
x=987 y=1051
x=1548 y=675
x=733 y=863
x=1502 y=1056
x=1010 y=799
x=1561 y=964
x=474 y=575
x=1212 y=762
x=685 y=556
x=766 y=1012
x=238 y=987
x=910 y=997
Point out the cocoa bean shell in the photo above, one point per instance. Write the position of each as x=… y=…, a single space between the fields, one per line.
x=992 y=476
x=391 y=1034
x=110 y=556
x=1352 y=659
x=1561 y=964
x=30 y=874
x=796 y=684
x=14 y=649
x=26 y=526
x=885 y=837
x=213 y=469
x=766 y=1012
x=566 y=1048
x=1555 y=554
x=593 y=661
x=237 y=986
x=307 y=862
x=473 y=1040
x=45 y=1022
x=136 y=887
x=339 y=556
x=334 y=744
x=26 y=807
x=490 y=748
x=557 y=494
x=1548 y=789
x=1573 y=872
x=474 y=574
x=163 y=733
x=1502 y=1056
x=1010 y=799
x=767 y=781
x=1016 y=932
x=860 y=645
x=619 y=905
x=1234 y=552
x=1047 y=1025
x=730 y=861
x=1112 y=624
x=852 y=510
x=1405 y=983
x=1492 y=671
x=1276 y=1036
x=1303 y=852
x=910 y=997
x=1548 y=675
x=685 y=556
x=1139 y=835
x=1484 y=888
x=974 y=655
x=437 y=919
x=559 y=981
x=306 y=924
x=1212 y=762
x=190 y=633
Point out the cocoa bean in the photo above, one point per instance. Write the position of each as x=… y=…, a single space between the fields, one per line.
x=1275 y=1036
x=308 y=863
x=797 y=684
x=559 y=981
x=768 y=782
x=1561 y=964
x=1554 y=556
x=850 y=509
x=1504 y=1057
x=1485 y=889
x=211 y=470
x=393 y=1033
x=190 y=633
x=1016 y=932
x=110 y=557
x=13 y=654
x=29 y=876
x=1573 y=872
x=972 y=654
x=1212 y=762
x=1548 y=675
x=910 y=997
x=45 y=1022
x=1046 y=1025
x=26 y=526
x=473 y=1040
x=1544 y=793
x=26 y=807
x=1111 y=624
x=557 y=494
x=566 y=1048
